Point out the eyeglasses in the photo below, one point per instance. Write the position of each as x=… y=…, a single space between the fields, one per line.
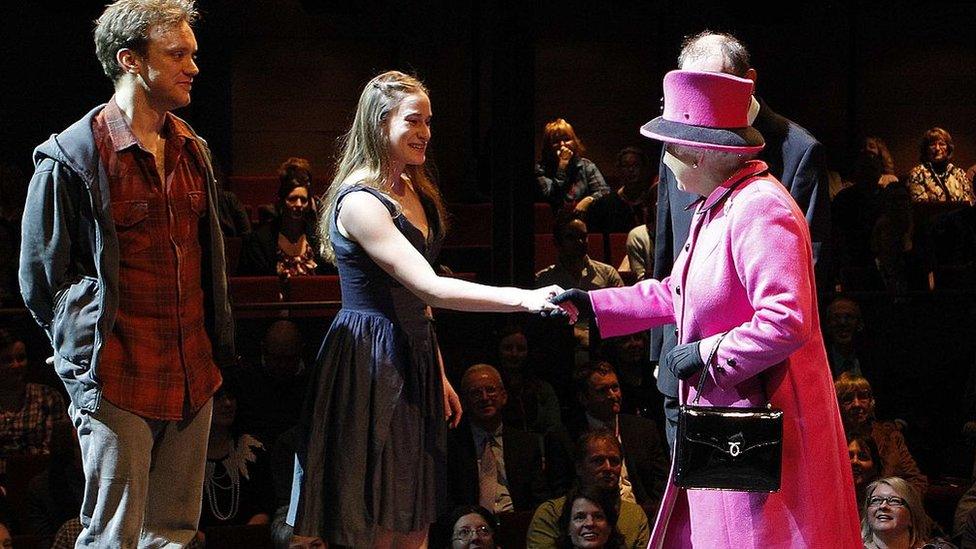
x=466 y=533
x=892 y=501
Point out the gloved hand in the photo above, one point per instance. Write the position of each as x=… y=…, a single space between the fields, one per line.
x=576 y=303
x=684 y=360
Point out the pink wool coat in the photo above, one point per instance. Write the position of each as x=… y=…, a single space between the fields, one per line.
x=747 y=270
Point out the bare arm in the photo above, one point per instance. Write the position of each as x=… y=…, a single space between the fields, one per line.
x=365 y=220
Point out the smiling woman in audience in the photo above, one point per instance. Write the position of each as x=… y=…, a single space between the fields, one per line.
x=895 y=519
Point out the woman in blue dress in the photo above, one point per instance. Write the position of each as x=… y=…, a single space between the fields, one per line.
x=372 y=470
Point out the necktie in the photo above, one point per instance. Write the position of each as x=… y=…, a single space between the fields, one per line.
x=488 y=475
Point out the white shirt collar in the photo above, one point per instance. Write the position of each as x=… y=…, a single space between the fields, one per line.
x=753 y=110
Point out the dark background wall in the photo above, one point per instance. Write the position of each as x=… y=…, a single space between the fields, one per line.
x=281 y=78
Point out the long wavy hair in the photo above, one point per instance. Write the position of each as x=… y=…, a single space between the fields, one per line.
x=365 y=158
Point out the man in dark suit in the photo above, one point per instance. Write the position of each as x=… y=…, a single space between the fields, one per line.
x=645 y=459
x=794 y=157
x=489 y=463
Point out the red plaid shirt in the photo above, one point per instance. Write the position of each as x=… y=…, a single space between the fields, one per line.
x=157 y=361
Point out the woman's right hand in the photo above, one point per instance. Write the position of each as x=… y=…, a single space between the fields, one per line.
x=538 y=301
x=564 y=154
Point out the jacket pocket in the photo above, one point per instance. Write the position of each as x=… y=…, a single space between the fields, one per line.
x=130 y=225
x=198 y=202
x=75 y=319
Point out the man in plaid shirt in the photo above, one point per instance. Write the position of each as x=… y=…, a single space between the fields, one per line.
x=122 y=264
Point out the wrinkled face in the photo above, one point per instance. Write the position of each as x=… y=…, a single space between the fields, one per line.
x=471 y=531
x=588 y=526
x=887 y=511
x=408 y=130
x=167 y=71
x=861 y=462
x=224 y=409
x=843 y=321
x=513 y=349
x=484 y=395
x=938 y=151
x=297 y=202
x=601 y=465
x=573 y=239
x=857 y=406
x=684 y=163
x=602 y=399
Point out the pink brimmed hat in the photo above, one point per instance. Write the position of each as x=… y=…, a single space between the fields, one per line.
x=709 y=110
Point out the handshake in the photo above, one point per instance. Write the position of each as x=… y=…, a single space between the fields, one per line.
x=683 y=361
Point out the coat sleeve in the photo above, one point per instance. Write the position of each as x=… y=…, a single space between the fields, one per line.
x=622 y=311
x=771 y=252
x=810 y=189
x=50 y=214
x=596 y=186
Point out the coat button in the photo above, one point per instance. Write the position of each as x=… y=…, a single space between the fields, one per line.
x=675 y=332
x=677 y=290
x=730 y=362
x=687 y=247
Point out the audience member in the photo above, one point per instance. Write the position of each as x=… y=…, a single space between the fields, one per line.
x=843 y=327
x=644 y=469
x=233 y=217
x=893 y=239
x=238 y=487
x=490 y=463
x=598 y=464
x=575 y=269
x=589 y=519
x=935 y=178
x=630 y=357
x=273 y=387
x=633 y=203
x=532 y=402
x=288 y=245
x=567 y=180
x=865 y=462
x=895 y=519
x=854 y=213
x=28 y=411
x=54 y=496
x=640 y=251
x=857 y=410
x=472 y=526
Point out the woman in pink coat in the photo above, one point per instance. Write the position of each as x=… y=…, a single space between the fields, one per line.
x=742 y=291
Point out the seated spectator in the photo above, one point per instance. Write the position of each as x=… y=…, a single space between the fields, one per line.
x=273 y=383
x=630 y=205
x=288 y=245
x=893 y=239
x=238 y=487
x=472 y=526
x=598 y=465
x=28 y=411
x=54 y=496
x=231 y=213
x=630 y=356
x=490 y=463
x=640 y=250
x=865 y=462
x=645 y=458
x=895 y=519
x=935 y=178
x=589 y=519
x=857 y=410
x=532 y=403
x=567 y=180
x=575 y=269
x=842 y=326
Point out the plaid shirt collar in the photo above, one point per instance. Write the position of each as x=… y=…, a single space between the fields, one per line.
x=120 y=132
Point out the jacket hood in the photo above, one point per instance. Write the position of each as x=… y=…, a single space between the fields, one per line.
x=74 y=147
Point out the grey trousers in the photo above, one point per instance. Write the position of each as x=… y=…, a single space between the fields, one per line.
x=143 y=477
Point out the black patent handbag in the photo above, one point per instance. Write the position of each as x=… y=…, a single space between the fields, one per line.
x=735 y=449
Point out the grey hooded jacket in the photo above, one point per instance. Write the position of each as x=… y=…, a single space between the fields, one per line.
x=69 y=259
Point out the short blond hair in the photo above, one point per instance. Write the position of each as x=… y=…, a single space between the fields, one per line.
x=126 y=24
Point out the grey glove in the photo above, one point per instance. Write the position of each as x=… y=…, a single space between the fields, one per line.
x=684 y=361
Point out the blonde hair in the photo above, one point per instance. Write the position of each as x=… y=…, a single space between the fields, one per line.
x=366 y=153
x=921 y=527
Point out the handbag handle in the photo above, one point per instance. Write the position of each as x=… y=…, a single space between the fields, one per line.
x=708 y=364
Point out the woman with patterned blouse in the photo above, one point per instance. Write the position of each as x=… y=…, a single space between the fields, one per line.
x=936 y=179
x=566 y=179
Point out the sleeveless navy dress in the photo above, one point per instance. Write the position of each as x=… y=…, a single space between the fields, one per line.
x=375 y=447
